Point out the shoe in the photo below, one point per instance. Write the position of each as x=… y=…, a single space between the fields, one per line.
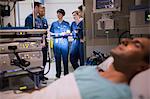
x=56 y=78
x=44 y=82
x=45 y=78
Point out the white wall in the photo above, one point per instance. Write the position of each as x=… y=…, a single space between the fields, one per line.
x=23 y=9
x=68 y=5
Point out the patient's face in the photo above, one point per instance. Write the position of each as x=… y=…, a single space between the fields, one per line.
x=132 y=50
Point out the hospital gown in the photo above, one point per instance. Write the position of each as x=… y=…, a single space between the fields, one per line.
x=93 y=86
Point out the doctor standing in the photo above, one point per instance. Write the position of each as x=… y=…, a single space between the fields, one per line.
x=41 y=16
x=77 y=47
x=59 y=30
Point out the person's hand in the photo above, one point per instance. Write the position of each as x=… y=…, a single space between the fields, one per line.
x=82 y=40
x=76 y=31
x=63 y=33
x=56 y=34
x=44 y=36
x=68 y=32
x=43 y=45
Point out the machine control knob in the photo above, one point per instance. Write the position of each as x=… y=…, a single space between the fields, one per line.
x=33 y=55
x=4 y=62
x=2 y=49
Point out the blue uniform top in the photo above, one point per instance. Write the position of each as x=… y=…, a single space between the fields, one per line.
x=77 y=28
x=58 y=27
x=92 y=86
x=44 y=22
x=29 y=22
x=43 y=26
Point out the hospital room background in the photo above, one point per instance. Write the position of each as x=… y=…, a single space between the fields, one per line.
x=104 y=27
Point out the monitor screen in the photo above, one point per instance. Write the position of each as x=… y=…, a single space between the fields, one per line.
x=106 y=5
x=101 y=4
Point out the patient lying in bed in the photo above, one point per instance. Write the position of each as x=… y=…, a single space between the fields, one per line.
x=74 y=84
x=89 y=82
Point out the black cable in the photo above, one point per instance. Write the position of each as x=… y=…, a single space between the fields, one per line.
x=23 y=65
x=123 y=34
x=20 y=62
x=49 y=64
x=13 y=6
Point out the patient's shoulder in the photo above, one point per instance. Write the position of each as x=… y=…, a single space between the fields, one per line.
x=105 y=65
x=85 y=67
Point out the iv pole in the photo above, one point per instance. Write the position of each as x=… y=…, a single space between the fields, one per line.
x=33 y=14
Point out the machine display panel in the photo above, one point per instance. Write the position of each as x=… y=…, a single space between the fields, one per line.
x=106 y=5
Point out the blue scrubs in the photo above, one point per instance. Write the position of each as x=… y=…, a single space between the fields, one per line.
x=44 y=22
x=29 y=22
x=77 y=47
x=60 y=46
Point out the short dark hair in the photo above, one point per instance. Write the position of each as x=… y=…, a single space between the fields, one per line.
x=76 y=12
x=80 y=8
x=37 y=4
x=61 y=11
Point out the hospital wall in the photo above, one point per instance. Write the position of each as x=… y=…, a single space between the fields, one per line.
x=100 y=38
